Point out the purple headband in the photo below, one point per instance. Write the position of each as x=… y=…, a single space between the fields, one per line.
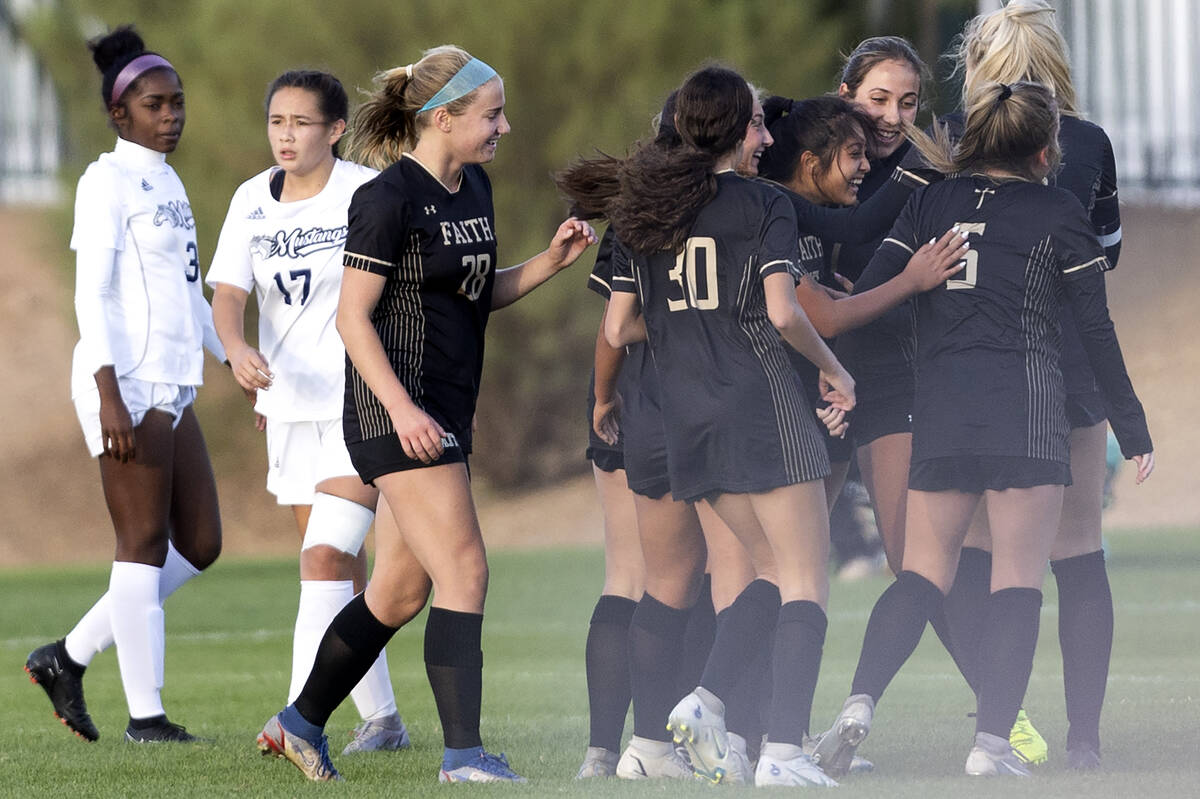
x=134 y=70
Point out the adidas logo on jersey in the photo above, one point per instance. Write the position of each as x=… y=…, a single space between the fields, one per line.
x=257 y=213
x=146 y=185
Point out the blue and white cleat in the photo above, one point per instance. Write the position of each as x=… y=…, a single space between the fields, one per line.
x=598 y=762
x=835 y=749
x=313 y=761
x=485 y=768
x=379 y=735
x=698 y=722
x=786 y=765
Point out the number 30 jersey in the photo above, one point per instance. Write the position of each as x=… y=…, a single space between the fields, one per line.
x=437 y=251
x=989 y=380
x=290 y=255
x=734 y=412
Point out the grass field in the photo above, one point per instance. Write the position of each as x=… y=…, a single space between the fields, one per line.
x=228 y=655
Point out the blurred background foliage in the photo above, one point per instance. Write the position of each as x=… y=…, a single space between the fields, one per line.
x=579 y=77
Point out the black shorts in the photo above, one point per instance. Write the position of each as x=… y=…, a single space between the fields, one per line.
x=384 y=455
x=1085 y=410
x=882 y=411
x=975 y=474
x=605 y=458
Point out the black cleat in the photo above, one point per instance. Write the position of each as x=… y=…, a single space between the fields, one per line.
x=47 y=666
x=161 y=732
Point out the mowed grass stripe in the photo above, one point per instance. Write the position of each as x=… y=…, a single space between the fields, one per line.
x=228 y=660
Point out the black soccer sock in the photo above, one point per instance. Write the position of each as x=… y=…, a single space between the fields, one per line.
x=893 y=631
x=65 y=660
x=962 y=631
x=1085 y=634
x=799 y=637
x=1010 y=633
x=607 y=661
x=454 y=665
x=750 y=695
x=655 y=638
x=698 y=639
x=351 y=644
x=746 y=629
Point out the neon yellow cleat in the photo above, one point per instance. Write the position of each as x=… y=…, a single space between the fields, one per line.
x=1027 y=742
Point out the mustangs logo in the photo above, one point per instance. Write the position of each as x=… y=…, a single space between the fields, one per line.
x=298 y=243
x=175 y=213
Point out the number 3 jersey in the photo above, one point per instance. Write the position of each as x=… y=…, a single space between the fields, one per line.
x=988 y=341
x=437 y=251
x=290 y=255
x=142 y=310
x=735 y=415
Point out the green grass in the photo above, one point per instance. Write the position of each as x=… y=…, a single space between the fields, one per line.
x=228 y=657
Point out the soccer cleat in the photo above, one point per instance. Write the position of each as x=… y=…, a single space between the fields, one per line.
x=992 y=756
x=835 y=749
x=644 y=759
x=701 y=730
x=1027 y=742
x=313 y=761
x=598 y=762
x=379 y=735
x=858 y=764
x=485 y=768
x=1083 y=758
x=786 y=765
x=163 y=732
x=46 y=667
x=739 y=770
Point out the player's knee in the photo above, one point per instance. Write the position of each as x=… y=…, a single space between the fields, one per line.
x=337 y=524
x=324 y=562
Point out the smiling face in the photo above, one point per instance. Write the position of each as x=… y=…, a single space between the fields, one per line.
x=475 y=132
x=758 y=138
x=889 y=93
x=301 y=138
x=151 y=111
x=839 y=183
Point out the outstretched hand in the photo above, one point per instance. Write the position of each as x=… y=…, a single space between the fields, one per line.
x=570 y=240
x=938 y=261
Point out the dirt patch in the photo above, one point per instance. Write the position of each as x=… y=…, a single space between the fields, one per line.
x=54 y=510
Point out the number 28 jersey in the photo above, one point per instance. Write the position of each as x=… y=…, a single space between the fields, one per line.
x=437 y=251
x=734 y=412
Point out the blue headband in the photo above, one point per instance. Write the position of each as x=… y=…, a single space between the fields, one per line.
x=474 y=74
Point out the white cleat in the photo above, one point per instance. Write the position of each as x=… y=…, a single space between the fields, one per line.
x=598 y=762
x=786 y=765
x=993 y=756
x=835 y=749
x=739 y=771
x=698 y=722
x=645 y=759
x=858 y=765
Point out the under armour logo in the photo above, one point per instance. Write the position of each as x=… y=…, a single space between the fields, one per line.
x=146 y=185
x=430 y=210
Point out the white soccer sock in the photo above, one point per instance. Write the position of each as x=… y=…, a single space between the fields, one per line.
x=373 y=696
x=93 y=633
x=137 y=624
x=320 y=601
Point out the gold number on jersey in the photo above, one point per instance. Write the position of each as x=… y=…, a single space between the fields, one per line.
x=477 y=267
x=970 y=274
x=700 y=248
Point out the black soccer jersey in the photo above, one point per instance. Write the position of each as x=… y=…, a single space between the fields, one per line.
x=988 y=379
x=437 y=250
x=735 y=415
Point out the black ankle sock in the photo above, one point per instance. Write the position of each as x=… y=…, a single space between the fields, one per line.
x=799 y=637
x=698 y=639
x=1085 y=633
x=964 y=610
x=745 y=631
x=65 y=660
x=147 y=723
x=454 y=665
x=655 y=637
x=607 y=662
x=1010 y=632
x=893 y=631
x=350 y=645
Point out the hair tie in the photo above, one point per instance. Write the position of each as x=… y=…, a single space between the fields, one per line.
x=473 y=74
x=408 y=71
x=134 y=70
x=1005 y=93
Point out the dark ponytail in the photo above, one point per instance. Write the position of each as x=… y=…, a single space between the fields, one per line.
x=820 y=125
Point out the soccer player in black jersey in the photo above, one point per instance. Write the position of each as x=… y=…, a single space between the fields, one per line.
x=989 y=410
x=1021 y=42
x=419 y=285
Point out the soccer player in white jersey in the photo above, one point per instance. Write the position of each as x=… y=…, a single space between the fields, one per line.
x=283 y=240
x=143 y=325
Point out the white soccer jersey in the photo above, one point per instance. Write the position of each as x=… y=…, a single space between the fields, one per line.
x=290 y=254
x=142 y=310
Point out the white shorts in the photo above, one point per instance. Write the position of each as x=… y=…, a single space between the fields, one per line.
x=302 y=454
x=140 y=396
